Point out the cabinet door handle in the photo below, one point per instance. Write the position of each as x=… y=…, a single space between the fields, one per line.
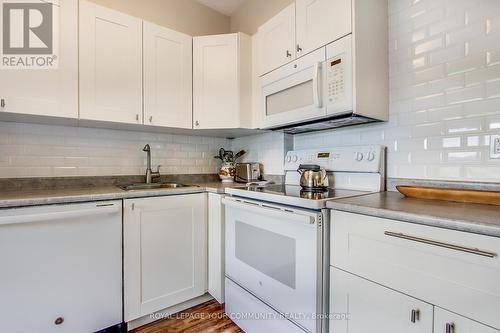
x=59 y=321
x=288 y=54
x=137 y=117
x=150 y=119
x=471 y=250
x=299 y=49
x=2 y=103
x=197 y=123
x=415 y=315
x=450 y=328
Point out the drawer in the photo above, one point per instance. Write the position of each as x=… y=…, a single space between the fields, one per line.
x=445 y=321
x=428 y=263
x=252 y=315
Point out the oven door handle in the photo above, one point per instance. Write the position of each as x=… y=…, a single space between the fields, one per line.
x=303 y=217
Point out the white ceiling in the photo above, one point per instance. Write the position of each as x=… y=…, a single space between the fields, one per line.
x=226 y=7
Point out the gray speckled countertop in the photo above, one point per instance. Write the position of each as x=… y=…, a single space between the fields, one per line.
x=475 y=218
x=19 y=198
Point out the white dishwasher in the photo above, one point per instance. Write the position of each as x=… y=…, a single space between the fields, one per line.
x=61 y=268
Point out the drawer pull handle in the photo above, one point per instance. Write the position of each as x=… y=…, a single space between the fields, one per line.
x=450 y=328
x=415 y=316
x=475 y=251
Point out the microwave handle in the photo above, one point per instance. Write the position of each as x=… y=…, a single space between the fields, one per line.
x=317 y=85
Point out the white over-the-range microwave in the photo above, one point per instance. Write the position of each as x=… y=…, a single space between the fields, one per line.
x=313 y=92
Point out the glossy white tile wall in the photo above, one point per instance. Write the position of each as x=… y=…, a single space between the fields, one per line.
x=445 y=92
x=268 y=149
x=28 y=150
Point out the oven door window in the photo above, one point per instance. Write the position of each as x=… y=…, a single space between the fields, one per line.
x=275 y=255
x=293 y=98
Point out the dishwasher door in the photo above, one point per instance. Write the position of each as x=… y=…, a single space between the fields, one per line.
x=61 y=268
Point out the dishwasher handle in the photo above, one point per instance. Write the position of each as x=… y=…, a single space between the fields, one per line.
x=60 y=215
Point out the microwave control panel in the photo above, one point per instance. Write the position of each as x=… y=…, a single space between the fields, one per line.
x=338 y=73
x=335 y=79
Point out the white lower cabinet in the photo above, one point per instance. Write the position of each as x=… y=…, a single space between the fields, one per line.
x=165 y=252
x=373 y=308
x=444 y=269
x=448 y=322
x=216 y=247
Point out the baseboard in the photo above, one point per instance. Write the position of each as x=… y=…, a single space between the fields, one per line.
x=119 y=328
x=163 y=314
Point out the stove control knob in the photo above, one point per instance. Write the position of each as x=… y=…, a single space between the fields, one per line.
x=359 y=157
x=289 y=158
x=371 y=156
x=295 y=158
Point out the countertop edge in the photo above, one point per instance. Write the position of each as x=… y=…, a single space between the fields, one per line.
x=440 y=222
x=89 y=197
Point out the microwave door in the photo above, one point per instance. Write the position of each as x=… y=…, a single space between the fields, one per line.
x=293 y=98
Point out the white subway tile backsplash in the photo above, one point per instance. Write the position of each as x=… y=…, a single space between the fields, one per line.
x=464 y=126
x=482 y=108
x=462 y=95
x=31 y=150
x=464 y=156
x=486 y=74
x=445 y=92
x=444 y=58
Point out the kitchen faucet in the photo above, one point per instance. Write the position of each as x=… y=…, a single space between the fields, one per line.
x=150 y=175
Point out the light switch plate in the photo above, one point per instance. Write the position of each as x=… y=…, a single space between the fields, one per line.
x=495 y=146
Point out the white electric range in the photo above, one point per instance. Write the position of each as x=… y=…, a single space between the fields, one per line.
x=277 y=240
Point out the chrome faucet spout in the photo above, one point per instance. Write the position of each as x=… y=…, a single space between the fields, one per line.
x=150 y=175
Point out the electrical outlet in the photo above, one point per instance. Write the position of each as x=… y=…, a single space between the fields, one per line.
x=495 y=146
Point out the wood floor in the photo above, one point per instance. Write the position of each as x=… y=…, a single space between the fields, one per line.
x=207 y=317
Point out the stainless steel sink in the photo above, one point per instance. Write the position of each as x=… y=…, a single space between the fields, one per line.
x=153 y=186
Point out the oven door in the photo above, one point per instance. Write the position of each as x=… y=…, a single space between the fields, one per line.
x=275 y=253
x=293 y=93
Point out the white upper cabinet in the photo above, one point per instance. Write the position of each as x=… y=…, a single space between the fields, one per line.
x=167 y=77
x=47 y=92
x=320 y=22
x=110 y=65
x=277 y=40
x=222 y=68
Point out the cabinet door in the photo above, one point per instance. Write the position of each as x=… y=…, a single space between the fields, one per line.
x=216 y=81
x=165 y=252
x=320 y=22
x=216 y=247
x=277 y=40
x=370 y=305
x=167 y=77
x=47 y=92
x=448 y=322
x=110 y=65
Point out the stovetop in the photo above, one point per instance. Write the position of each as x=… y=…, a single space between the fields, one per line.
x=293 y=195
x=299 y=192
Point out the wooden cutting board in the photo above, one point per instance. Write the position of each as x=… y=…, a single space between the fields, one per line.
x=455 y=195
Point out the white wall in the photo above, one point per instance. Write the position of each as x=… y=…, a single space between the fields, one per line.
x=445 y=92
x=268 y=149
x=187 y=16
x=253 y=13
x=30 y=150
